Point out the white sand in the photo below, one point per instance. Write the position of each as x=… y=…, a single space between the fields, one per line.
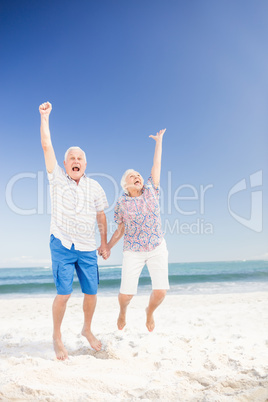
x=204 y=348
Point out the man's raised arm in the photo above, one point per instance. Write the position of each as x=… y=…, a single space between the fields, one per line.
x=49 y=153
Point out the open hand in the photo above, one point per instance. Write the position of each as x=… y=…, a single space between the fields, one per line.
x=158 y=135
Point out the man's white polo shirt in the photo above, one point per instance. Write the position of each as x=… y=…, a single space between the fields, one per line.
x=74 y=209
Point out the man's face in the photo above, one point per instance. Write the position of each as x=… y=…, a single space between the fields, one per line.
x=75 y=165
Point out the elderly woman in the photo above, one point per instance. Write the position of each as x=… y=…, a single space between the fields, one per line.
x=137 y=214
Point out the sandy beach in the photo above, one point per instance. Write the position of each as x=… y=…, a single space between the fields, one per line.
x=204 y=348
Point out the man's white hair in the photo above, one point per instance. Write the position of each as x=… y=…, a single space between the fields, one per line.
x=123 y=180
x=74 y=149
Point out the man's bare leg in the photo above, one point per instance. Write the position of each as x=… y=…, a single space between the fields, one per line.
x=156 y=299
x=58 y=310
x=124 y=301
x=89 y=305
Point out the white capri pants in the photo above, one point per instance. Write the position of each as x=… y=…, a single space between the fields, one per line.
x=133 y=263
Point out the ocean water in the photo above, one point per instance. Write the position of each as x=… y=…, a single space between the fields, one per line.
x=185 y=278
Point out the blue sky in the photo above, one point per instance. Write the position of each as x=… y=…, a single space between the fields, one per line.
x=116 y=72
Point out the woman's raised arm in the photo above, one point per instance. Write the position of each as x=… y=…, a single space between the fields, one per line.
x=156 y=169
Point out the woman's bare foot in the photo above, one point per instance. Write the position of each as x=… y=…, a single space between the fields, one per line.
x=121 y=322
x=150 y=324
x=93 y=341
x=61 y=352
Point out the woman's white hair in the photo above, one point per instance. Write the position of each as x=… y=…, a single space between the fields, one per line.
x=74 y=149
x=123 y=180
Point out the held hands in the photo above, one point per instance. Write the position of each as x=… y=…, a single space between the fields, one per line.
x=104 y=251
x=158 y=135
x=45 y=109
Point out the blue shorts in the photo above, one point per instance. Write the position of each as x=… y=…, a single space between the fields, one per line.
x=64 y=261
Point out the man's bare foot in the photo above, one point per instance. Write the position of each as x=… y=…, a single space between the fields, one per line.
x=150 y=324
x=121 y=322
x=94 y=342
x=61 y=352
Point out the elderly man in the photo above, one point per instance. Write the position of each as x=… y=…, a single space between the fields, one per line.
x=76 y=203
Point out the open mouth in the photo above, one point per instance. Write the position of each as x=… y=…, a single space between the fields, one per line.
x=75 y=169
x=137 y=182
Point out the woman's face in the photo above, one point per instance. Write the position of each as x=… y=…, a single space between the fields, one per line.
x=134 y=182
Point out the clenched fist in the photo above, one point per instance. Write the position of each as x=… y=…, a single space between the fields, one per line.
x=45 y=109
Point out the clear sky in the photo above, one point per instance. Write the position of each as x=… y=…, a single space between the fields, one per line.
x=117 y=71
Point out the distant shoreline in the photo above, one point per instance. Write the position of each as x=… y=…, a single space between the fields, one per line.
x=190 y=278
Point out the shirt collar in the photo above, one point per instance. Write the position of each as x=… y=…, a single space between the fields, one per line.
x=82 y=177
